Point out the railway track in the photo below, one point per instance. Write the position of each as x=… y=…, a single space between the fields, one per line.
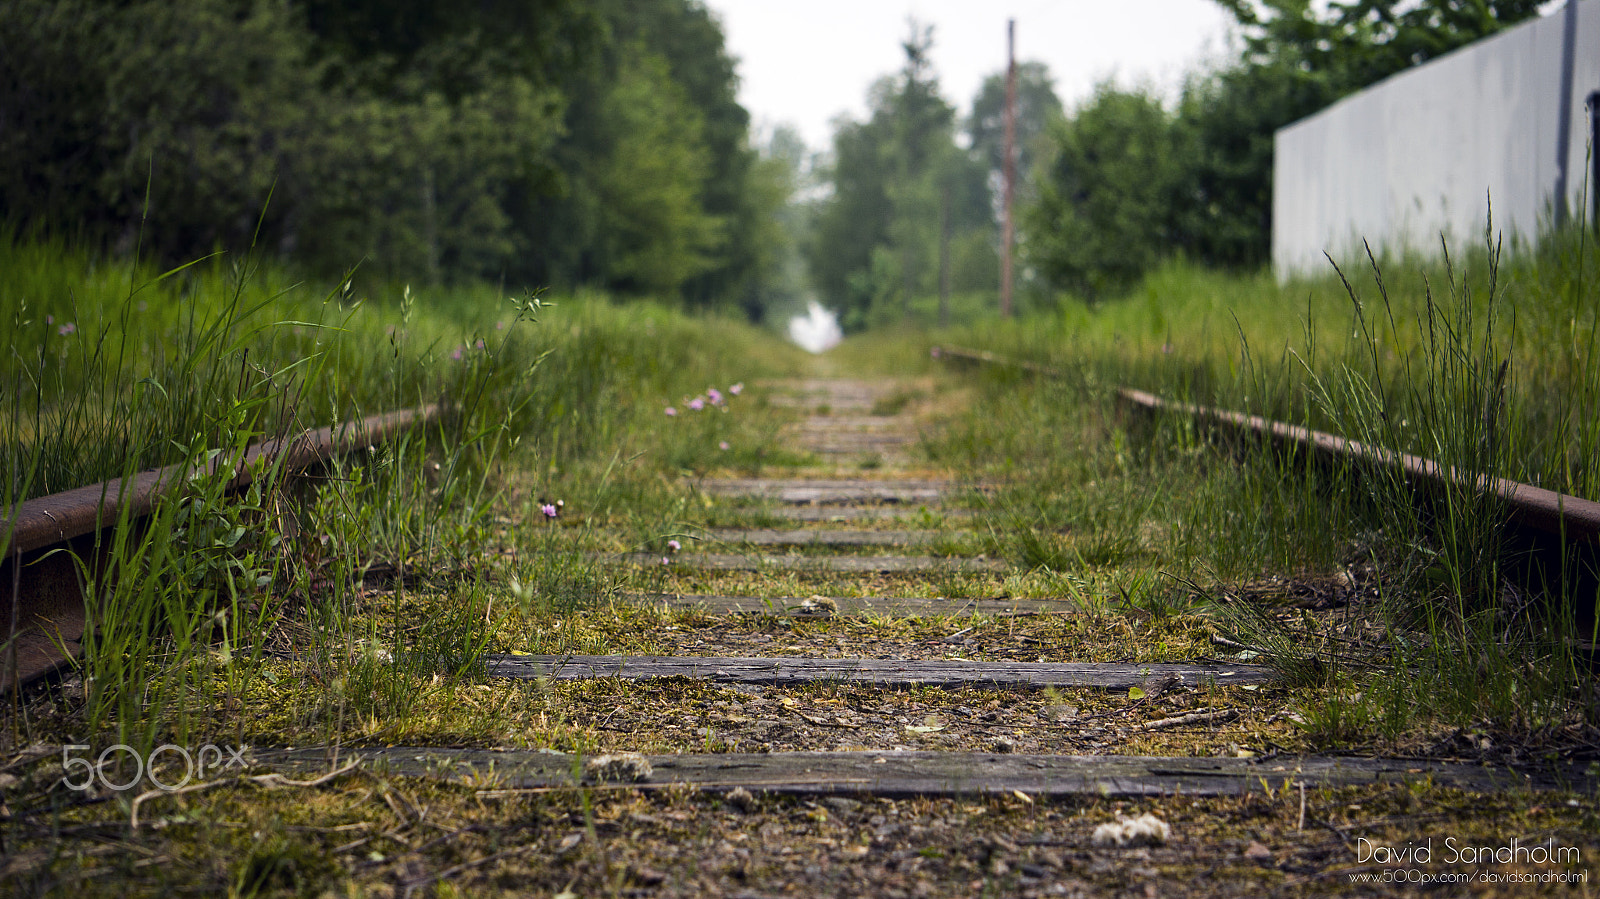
x=915 y=720
x=828 y=541
x=1572 y=519
x=42 y=606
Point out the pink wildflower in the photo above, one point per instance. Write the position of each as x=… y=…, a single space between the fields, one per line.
x=715 y=395
x=737 y=388
x=723 y=446
x=49 y=319
x=697 y=403
x=665 y=560
x=479 y=344
x=66 y=329
x=671 y=411
x=455 y=353
x=549 y=510
x=674 y=545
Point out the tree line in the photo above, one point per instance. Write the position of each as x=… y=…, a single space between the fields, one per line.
x=600 y=143
x=547 y=142
x=1115 y=185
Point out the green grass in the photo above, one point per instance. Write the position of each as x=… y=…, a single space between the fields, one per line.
x=1483 y=363
x=113 y=368
x=354 y=609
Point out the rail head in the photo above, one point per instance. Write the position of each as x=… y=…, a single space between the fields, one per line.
x=1568 y=517
x=48 y=520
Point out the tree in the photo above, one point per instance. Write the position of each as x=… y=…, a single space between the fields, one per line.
x=1037 y=107
x=1353 y=44
x=1298 y=57
x=1105 y=210
x=876 y=238
x=558 y=142
x=655 y=232
x=575 y=240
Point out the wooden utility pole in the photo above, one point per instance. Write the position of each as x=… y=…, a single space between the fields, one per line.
x=944 y=256
x=1009 y=168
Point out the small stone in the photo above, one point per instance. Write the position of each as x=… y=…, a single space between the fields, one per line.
x=741 y=799
x=622 y=767
x=1258 y=852
x=1003 y=744
x=648 y=876
x=819 y=605
x=1060 y=712
x=1145 y=830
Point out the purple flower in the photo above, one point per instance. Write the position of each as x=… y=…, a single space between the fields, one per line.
x=549 y=510
x=479 y=344
x=737 y=388
x=674 y=545
x=715 y=395
x=671 y=411
x=697 y=403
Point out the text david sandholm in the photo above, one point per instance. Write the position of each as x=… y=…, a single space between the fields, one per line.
x=1457 y=853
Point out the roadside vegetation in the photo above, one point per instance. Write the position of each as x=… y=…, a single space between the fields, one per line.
x=354 y=611
x=132 y=368
x=1483 y=364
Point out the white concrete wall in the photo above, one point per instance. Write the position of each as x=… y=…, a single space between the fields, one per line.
x=1423 y=152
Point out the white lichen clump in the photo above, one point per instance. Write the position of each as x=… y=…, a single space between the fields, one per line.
x=1145 y=830
x=623 y=767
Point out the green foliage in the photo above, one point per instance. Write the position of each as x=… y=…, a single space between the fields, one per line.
x=1037 y=107
x=900 y=188
x=1094 y=228
x=545 y=142
x=1352 y=44
x=654 y=232
x=1105 y=209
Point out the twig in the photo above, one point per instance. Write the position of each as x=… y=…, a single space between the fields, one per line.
x=823 y=722
x=264 y=780
x=1207 y=717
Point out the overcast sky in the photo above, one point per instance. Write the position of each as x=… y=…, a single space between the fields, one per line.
x=806 y=61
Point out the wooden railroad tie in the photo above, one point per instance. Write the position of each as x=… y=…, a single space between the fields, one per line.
x=813 y=607
x=880 y=672
x=847 y=564
x=918 y=773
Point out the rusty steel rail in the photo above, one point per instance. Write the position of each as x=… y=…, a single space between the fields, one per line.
x=42 y=607
x=1571 y=518
x=988 y=358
